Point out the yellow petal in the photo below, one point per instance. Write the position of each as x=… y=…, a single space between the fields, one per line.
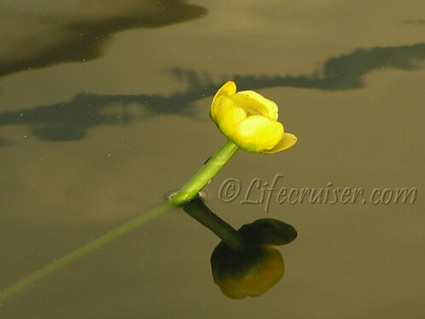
x=287 y=141
x=227 y=114
x=256 y=104
x=257 y=133
x=228 y=89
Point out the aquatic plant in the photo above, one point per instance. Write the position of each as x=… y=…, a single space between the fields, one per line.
x=249 y=121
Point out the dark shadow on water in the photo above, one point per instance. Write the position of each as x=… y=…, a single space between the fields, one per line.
x=415 y=21
x=3 y=142
x=345 y=71
x=84 y=39
x=70 y=120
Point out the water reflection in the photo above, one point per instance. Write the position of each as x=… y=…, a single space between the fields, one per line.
x=3 y=142
x=40 y=40
x=70 y=120
x=345 y=71
x=415 y=21
x=244 y=263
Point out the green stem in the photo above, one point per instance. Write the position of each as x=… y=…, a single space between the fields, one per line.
x=186 y=193
x=83 y=251
x=205 y=174
x=199 y=211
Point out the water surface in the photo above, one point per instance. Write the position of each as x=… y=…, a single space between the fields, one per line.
x=104 y=109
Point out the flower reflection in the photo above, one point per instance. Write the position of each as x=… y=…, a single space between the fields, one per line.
x=244 y=263
x=258 y=266
x=250 y=272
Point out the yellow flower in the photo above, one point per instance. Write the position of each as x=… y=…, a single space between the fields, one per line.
x=249 y=120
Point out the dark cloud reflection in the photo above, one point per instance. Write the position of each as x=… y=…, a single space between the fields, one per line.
x=70 y=120
x=346 y=71
x=415 y=21
x=42 y=40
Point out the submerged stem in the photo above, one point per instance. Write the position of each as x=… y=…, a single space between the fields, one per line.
x=83 y=251
x=186 y=193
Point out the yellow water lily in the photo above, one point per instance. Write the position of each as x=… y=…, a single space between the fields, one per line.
x=249 y=120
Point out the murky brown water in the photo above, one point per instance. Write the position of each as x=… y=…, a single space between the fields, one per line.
x=104 y=109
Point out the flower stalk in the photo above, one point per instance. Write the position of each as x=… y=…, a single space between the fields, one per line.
x=249 y=121
x=82 y=251
x=191 y=189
